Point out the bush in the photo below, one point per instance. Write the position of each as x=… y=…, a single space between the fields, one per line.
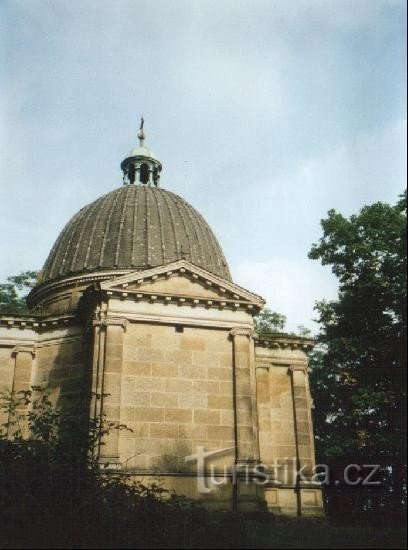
x=53 y=494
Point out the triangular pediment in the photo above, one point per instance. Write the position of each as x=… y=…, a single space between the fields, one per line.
x=182 y=279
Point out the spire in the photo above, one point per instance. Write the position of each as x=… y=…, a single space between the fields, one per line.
x=141 y=166
x=141 y=135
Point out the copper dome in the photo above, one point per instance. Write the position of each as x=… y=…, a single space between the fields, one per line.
x=134 y=227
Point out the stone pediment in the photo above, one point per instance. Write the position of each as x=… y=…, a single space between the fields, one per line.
x=182 y=279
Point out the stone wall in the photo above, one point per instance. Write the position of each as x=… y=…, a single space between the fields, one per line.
x=54 y=358
x=286 y=430
x=176 y=394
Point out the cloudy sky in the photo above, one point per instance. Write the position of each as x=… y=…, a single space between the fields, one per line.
x=265 y=114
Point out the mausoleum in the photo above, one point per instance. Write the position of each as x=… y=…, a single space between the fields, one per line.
x=136 y=308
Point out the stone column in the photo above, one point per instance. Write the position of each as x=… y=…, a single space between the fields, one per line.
x=150 y=182
x=308 y=493
x=98 y=354
x=111 y=389
x=302 y=417
x=137 y=173
x=22 y=381
x=245 y=419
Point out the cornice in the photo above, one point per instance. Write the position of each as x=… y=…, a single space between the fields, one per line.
x=80 y=279
x=182 y=300
x=206 y=278
x=36 y=323
x=23 y=349
x=285 y=341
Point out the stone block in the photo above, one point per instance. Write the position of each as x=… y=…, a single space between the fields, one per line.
x=127 y=414
x=179 y=385
x=165 y=431
x=149 y=414
x=192 y=400
x=143 y=383
x=219 y=373
x=303 y=439
x=137 y=368
x=166 y=370
x=220 y=401
x=245 y=433
x=225 y=360
x=206 y=358
x=164 y=399
x=194 y=343
x=283 y=439
x=191 y=431
x=206 y=386
x=226 y=386
x=179 y=357
x=139 y=430
x=149 y=354
x=223 y=433
x=192 y=372
x=227 y=417
x=178 y=415
x=203 y=416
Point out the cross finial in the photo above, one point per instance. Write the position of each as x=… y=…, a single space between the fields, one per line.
x=141 y=135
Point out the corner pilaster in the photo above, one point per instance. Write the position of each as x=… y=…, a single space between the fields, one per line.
x=245 y=420
x=106 y=385
x=24 y=356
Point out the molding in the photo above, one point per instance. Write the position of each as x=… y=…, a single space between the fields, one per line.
x=206 y=278
x=9 y=321
x=284 y=341
x=298 y=368
x=162 y=319
x=45 y=288
x=115 y=321
x=11 y=342
x=264 y=362
x=110 y=321
x=183 y=300
x=59 y=340
x=243 y=331
x=23 y=349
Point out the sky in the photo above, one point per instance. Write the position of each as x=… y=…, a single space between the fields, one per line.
x=264 y=113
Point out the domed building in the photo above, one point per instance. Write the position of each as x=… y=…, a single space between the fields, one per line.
x=136 y=308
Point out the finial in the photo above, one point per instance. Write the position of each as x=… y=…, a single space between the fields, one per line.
x=141 y=135
x=141 y=166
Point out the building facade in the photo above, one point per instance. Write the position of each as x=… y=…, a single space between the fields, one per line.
x=136 y=310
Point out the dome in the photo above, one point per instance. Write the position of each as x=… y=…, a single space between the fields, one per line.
x=141 y=152
x=134 y=227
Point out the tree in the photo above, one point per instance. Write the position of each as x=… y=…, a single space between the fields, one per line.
x=14 y=292
x=269 y=322
x=53 y=493
x=359 y=367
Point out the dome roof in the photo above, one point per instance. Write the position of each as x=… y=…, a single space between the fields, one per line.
x=141 y=151
x=134 y=227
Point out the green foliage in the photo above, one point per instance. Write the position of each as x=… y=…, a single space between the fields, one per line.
x=14 y=292
x=54 y=495
x=359 y=368
x=304 y=332
x=269 y=322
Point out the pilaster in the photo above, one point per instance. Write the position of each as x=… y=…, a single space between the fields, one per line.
x=245 y=420
x=107 y=375
x=23 y=372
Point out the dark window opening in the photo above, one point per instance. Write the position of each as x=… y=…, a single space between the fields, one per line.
x=179 y=328
x=144 y=173
x=131 y=173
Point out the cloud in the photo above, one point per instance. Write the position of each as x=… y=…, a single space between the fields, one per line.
x=369 y=167
x=290 y=287
x=265 y=115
